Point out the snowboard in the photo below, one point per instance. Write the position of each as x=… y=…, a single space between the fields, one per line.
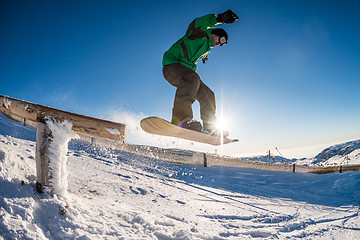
x=159 y=126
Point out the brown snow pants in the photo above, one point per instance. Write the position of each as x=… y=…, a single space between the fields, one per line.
x=189 y=88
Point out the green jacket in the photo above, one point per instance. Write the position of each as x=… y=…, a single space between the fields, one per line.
x=195 y=45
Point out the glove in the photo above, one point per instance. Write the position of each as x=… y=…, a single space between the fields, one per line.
x=204 y=60
x=227 y=17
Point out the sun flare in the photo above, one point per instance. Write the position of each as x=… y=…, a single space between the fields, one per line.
x=222 y=124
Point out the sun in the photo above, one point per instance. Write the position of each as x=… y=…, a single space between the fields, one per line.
x=222 y=124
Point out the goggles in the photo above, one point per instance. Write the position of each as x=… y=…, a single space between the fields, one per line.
x=222 y=41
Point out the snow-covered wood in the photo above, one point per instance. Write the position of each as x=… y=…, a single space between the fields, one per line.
x=37 y=115
x=20 y=110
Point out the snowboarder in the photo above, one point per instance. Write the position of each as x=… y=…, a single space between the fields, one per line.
x=179 y=69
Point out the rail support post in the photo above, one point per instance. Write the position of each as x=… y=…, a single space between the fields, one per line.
x=206 y=163
x=43 y=141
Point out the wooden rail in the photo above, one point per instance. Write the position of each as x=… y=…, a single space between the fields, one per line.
x=38 y=116
x=20 y=110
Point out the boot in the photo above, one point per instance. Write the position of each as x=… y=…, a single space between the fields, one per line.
x=191 y=125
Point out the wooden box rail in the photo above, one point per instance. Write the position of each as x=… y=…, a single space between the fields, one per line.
x=21 y=110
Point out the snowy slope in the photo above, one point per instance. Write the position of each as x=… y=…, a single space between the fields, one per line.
x=118 y=195
x=339 y=150
x=341 y=154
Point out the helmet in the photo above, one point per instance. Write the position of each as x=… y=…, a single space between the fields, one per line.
x=221 y=34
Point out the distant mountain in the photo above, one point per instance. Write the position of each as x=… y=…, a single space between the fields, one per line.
x=338 y=150
x=274 y=159
x=341 y=154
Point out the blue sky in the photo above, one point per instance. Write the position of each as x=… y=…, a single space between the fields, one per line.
x=289 y=77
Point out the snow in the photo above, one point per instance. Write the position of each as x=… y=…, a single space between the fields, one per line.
x=113 y=194
x=61 y=134
x=114 y=131
x=7 y=102
x=352 y=158
x=341 y=154
x=346 y=153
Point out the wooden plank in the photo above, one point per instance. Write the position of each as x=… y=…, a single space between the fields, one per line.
x=213 y=160
x=342 y=168
x=19 y=109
